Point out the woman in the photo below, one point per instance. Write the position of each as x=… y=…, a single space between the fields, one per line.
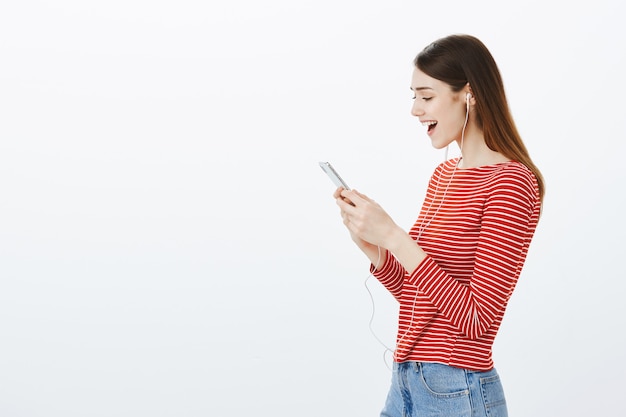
x=456 y=269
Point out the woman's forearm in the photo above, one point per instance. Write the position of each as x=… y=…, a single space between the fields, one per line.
x=375 y=254
x=406 y=250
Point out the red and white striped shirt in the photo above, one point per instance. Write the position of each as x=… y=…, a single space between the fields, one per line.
x=475 y=226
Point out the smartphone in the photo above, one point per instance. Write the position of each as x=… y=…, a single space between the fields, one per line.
x=333 y=175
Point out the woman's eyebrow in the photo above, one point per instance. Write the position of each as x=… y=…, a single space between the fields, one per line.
x=420 y=88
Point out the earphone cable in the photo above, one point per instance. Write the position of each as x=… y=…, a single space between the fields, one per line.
x=387 y=348
x=422 y=229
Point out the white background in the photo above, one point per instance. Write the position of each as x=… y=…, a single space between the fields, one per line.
x=169 y=245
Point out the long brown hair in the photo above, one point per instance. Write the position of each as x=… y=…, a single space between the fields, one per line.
x=461 y=59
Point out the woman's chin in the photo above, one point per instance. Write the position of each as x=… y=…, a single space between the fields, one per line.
x=440 y=144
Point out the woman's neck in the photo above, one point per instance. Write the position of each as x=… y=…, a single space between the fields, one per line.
x=475 y=152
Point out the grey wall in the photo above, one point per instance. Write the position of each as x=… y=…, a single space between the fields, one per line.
x=169 y=246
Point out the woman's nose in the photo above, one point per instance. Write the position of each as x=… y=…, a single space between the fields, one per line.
x=416 y=109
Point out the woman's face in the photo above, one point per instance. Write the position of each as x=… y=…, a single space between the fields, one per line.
x=439 y=108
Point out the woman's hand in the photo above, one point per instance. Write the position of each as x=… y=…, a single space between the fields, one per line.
x=368 y=223
x=372 y=229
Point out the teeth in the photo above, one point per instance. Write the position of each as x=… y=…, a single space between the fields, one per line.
x=429 y=123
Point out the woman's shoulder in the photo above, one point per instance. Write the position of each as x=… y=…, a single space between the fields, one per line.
x=514 y=170
x=515 y=177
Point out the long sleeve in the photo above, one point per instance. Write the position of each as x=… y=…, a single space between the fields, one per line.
x=507 y=225
x=391 y=274
x=475 y=227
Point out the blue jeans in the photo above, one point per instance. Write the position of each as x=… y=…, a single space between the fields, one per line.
x=420 y=389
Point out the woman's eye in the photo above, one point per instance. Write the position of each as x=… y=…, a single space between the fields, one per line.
x=426 y=98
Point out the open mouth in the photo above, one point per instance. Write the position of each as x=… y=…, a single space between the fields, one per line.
x=430 y=124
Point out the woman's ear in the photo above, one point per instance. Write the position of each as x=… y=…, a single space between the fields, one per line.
x=469 y=96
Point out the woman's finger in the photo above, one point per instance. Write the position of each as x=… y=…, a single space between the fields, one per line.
x=353 y=196
x=363 y=196
x=344 y=202
x=337 y=193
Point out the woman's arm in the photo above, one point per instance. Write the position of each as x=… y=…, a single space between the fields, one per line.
x=509 y=219
x=508 y=222
x=366 y=222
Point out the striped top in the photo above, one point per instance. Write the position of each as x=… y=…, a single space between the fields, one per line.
x=475 y=226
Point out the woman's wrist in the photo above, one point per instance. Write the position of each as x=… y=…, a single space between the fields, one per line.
x=397 y=239
x=406 y=250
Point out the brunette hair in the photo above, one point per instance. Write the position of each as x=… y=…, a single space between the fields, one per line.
x=459 y=60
